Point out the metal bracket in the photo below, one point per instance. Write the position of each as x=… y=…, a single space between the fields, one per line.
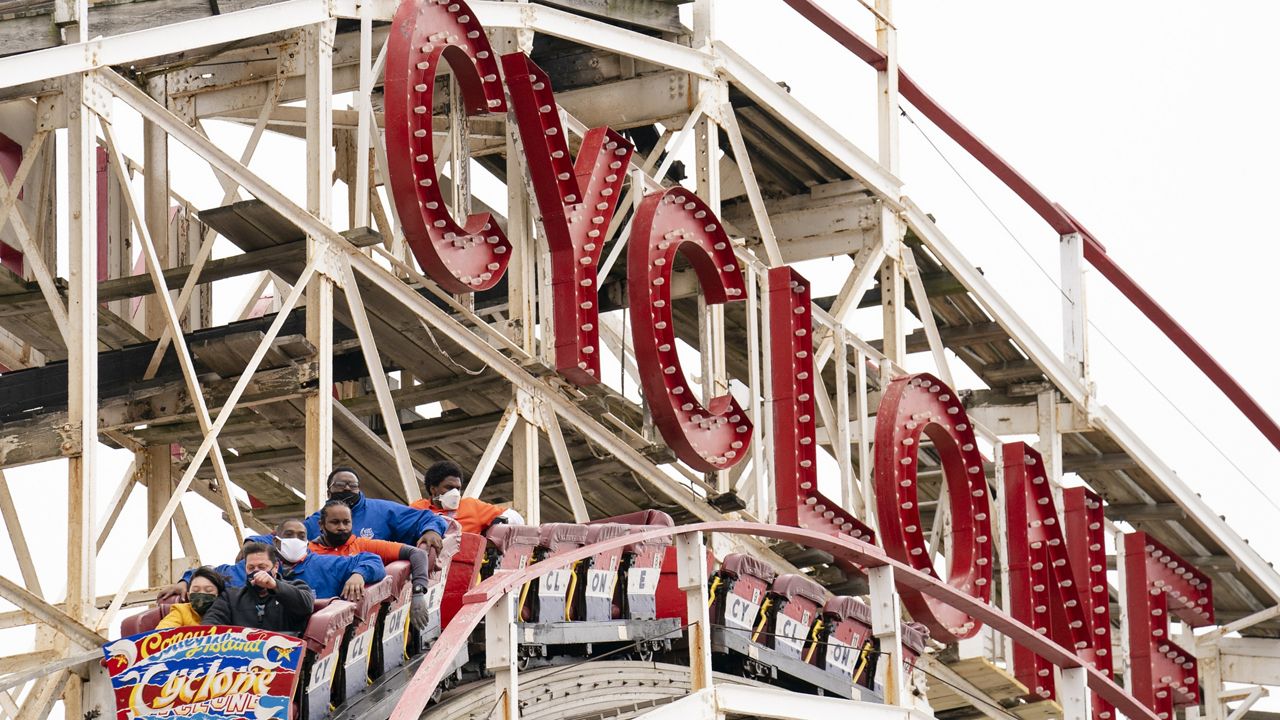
x=530 y=409
x=331 y=262
x=97 y=97
x=71 y=445
x=51 y=112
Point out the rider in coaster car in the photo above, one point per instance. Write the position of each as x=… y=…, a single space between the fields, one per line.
x=443 y=485
x=337 y=540
x=379 y=519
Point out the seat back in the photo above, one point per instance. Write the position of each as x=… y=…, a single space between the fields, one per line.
x=552 y=596
x=601 y=594
x=849 y=644
x=146 y=620
x=391 y=635
x=353 y=671
x=436 y=579
x=741 y=584
x=797 y=603
x=464 y=571
x=510 y=547
x=324 y=637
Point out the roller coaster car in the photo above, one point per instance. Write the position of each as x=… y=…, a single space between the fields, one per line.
x=845 y=645
x=640 y=571
x=388 y=652
x=738 y=592
x=352 y=673
x=550 y=598
x=793 y=614
x=510 y=547
x=324 y=637
x=583 y=606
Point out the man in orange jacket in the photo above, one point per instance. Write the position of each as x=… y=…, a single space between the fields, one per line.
x=443 y=485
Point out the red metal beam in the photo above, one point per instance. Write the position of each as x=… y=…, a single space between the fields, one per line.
x=1054 y=214
x=477 y=602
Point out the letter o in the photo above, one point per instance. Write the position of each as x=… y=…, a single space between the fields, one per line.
x=919 y=405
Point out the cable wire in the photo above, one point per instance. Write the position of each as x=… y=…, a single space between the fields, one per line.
x=1093 y=325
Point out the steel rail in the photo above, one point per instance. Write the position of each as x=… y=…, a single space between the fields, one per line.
x=1052 y=213
x=477 y=602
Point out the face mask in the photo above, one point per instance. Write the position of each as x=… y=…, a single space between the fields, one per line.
x=201 y=602
x=336 y=539
x=450 y=500
x=350 y=498
x=293 y=549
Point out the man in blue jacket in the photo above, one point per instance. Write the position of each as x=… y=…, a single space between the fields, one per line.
x=380 y=519
x=327 y=575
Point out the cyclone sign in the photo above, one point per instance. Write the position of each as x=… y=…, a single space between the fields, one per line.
x=215 y=672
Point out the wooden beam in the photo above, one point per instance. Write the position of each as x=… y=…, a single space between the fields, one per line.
x=1145 y=511
x=1097 y=463
x=48 y=614
x=13 y=523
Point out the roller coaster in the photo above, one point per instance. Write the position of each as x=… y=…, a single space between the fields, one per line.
x=737 y=505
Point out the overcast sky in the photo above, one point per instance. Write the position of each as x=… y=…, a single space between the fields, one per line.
x=1152 y=122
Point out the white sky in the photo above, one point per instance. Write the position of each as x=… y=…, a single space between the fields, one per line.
x=1152 y=122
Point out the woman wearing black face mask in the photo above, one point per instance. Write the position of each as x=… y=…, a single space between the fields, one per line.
x=206 y=585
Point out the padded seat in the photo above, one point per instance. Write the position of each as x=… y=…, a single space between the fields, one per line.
x=738 y=565
x=794 y=586
x=556 y=537
x=843 y=607
x=146 y=620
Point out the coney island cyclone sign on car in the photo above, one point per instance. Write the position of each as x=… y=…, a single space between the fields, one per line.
x=1057 y=574
x=211 y=673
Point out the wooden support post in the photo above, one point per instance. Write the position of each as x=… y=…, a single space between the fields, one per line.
x=378 y=377
x=891 y=291
x=489 y=458
x=1073 y=694
x=501 y=657
x=1075 y=318
x=319 y=136
x=522 y=290
x=691 y=572
x=1050 y=445
x=156 y=462
x=886 y=626
x=891 y=298
x=81 y=430
x=564 y=463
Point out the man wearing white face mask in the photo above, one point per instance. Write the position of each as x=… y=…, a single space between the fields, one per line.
x=327 y=575
x=443 y=485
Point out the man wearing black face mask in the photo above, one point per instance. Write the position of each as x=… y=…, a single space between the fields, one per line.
x=379 y=519
x=267 y=601
x=336 y=539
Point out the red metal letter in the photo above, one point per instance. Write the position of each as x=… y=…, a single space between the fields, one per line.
x=1164 y=675
x=717 y=436
x=794 y=434
x=576 y=201
x=460 y=258
x=1047 y=590
x=918 y=405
